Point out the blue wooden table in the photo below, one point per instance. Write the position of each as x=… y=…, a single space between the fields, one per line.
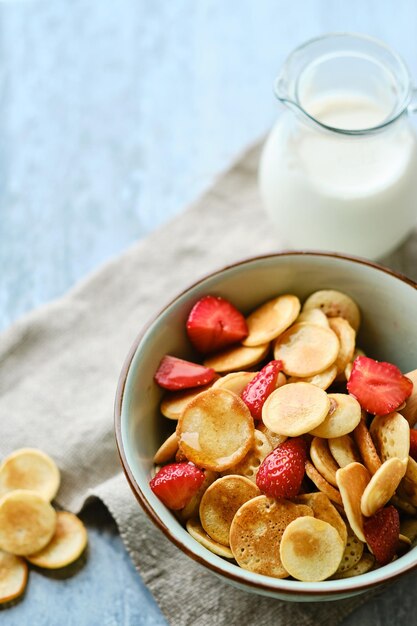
x=113 y=116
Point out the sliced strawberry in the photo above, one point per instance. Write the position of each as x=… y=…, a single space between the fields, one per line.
x=176 y=484
x=260 y=387
x=281 y=473
x=413 y=443
x=173 y=374
x=214 y=323
x=379 y=387
x=381 y=534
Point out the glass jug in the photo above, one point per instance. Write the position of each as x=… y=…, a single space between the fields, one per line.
x=339 y=168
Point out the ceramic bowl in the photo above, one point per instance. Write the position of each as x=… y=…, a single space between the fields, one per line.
x=388 y=303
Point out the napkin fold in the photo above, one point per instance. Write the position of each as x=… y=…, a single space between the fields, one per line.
x=59 y=368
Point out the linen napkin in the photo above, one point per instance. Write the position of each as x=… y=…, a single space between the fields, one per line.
x=59 y=368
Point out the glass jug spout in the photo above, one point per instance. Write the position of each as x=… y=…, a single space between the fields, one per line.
x=341 y=63
x=412 y=107
x=281 y=91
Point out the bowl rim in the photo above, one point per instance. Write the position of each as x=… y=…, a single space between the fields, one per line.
x=271 y=589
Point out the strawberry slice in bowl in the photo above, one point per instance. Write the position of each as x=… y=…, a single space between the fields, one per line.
x=381 y=533
x=175 y=374
x=214 y=323
x=175 y=484
x=379 y=387
x=259 y=388
x=281 y=473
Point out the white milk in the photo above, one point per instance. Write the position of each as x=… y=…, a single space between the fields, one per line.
x=352 y=194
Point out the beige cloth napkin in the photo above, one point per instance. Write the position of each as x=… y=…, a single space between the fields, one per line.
x=59 y=368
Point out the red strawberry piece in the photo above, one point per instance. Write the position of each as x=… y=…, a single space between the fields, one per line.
x=282 y=471
x=413 y=443
x=214 y=323
x=173 y=374
x=379 y=387
x=176 y=484
x=260 y=387
x=381 y=534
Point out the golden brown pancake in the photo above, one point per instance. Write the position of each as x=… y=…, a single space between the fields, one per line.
x=66 y=546
x=271 y=319
x=306 y=349
x=215 y=430
x=311 y=549
x=221 y=501
x=256 y=532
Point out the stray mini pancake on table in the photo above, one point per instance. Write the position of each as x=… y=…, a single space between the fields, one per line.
x=31 y=530
x=294 y=453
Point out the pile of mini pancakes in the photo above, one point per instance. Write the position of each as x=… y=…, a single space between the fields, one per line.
x=31 y=530
x=356 y=463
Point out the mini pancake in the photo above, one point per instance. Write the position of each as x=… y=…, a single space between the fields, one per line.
x=180 y=457
x=256 y=531
x=295 y=409
x=13 y=576
x=335 y=304
x=408 y=528
x=408 y=486
x=167 y=450
x=27 y=522
x=403 y=505
x=274 y=438
x=237 y=358
x=403 y=539
x=199 y=534
x=391 y=436
x=174 y=402
x=323 y=379
x=216 y=430
x=353 y=480
x=343 y=449
x=271 y=319
x=322 y=484
x=66 y=546
x=403 y=545
x=323 y=509
x=281 y=380
x=347 y=338
x=306 y=349
x=323 y=460
x=348 y=370
x=364 y=565
x=382 y=485
x=236 y=381
x=311 y=549
x=32 y=469
x=313 y=316
x=407 y=492
x=220 y=503
x=352 y=554
x=191 y=508
x=410 y=409
x=344 y=415
x=249 y=465
x=411 y=473
x=366 y=447
x=349 y=366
